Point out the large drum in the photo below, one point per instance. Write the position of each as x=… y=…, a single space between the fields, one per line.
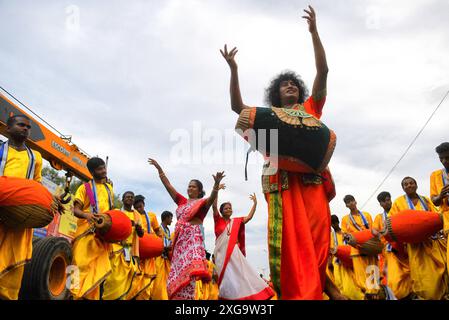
x=113 y=226
x=25 y=203
x=343 y=253
x=412 y=226
x=366 y=242
x=150 y=246
x=299 y=143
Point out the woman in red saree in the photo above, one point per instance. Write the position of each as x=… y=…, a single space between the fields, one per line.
x=188 y=262
x=298 y=203
x=237 y=280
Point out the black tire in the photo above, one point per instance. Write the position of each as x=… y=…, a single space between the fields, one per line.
x=45 y=276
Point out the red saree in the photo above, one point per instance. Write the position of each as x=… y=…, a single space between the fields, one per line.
x=189 y=258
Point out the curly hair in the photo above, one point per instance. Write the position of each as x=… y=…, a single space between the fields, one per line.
x=272 y=96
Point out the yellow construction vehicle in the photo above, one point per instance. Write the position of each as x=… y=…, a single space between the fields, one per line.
x=45 y=276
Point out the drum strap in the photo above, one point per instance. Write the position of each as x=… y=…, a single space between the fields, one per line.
x=147 y=218
x=445 y=177
x=384 y=218
x=334 y=236
x=92 y=195
x=4 y=147
x=167 y=236
x=91 y=192
x=411 y=206
x=365 y=222
x=246 y=162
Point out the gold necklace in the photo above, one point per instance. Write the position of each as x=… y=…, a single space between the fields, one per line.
x=228 y=227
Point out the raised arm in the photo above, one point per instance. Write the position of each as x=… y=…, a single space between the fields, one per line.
x=214 y=205
x=164 y=179
x=253 y=209
x=237 y=104
x=217 y=178
x=319 y=85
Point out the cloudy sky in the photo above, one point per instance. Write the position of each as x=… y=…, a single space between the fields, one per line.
x=132 y=79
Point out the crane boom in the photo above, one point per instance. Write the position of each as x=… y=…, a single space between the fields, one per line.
x=62 y=154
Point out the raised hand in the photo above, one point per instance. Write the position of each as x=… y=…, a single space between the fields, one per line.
x=253 y=197
x=218 y=177
x=229 y=56
x=155 y=164
x=222 y=186
x=311 y=19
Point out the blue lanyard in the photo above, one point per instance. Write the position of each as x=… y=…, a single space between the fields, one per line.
x=365 y=222
x=167 y=240
x=334 y=235
x=384 y=218
x=95 y=207
x=412 y=206
x=4 y=157
x=94 y=191
x=148 y=222
x=445 y=177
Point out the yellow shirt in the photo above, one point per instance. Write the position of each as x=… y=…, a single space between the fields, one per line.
x=401 y=204
x=154 y=224
x=378 y=222
x=135 y=217
x=436 y=184
x=17 y=164
x=102 y=194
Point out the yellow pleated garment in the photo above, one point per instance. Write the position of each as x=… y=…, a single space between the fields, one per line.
x=119 y=282
x=160 y=282
x=426 y=260
x=16 y=245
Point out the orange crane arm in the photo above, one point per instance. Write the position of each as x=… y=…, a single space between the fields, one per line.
x=62 y=154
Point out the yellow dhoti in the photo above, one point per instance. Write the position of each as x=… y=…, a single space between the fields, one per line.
x=159 y=291
x=398 y=275
x=119 y=283
x=428 y=269
x=366 y=274
x=145 y=280
x=15 y=251
x=92 y=265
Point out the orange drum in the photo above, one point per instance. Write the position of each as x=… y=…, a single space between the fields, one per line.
x=366 y=242
x=150 y=246
x=343 y=253
x=412 y=226
x=113 y=226
x=25 y=203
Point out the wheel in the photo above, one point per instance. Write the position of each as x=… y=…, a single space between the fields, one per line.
x=45 y=276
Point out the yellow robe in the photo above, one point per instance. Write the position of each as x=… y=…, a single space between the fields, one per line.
x=427 y=259
x=90 y=254
x=16 y=245
x=148 y=266
x=162 y=270
x=344 y=277
x=378 y=224
x=436 y=184
x=364 y=266
x=124 y=281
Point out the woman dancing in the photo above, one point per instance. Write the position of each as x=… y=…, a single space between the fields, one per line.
x=189 y=262
x=237 y=280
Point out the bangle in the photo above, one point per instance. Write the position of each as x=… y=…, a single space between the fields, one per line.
x=161 y=174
